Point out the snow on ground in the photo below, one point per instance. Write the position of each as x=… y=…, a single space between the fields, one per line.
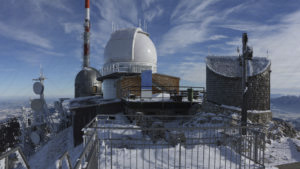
x=47 y=155
x=278 y=152
x=282 y=151
x=199 y=156
x=9 y=113
x=130 y=147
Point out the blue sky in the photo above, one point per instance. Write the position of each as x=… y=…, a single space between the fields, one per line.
x=49 y=32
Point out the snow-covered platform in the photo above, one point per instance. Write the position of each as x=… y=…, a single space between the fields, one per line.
x=169 y=142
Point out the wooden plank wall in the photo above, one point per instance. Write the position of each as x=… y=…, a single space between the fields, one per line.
x=133 y=83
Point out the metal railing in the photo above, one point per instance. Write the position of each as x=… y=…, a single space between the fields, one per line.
x=65 y=157
x=14 y=158
x=171 y=142
x=126 y=67
x=164 y=93
x=89 y=157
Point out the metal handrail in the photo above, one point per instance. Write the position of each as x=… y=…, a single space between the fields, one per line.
x=186 y=87
x=83 y=157
x=174 y=91
x=17 y=149
x=64 y=156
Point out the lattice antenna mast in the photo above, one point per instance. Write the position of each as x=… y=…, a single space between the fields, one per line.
x=86 y=36
x=140 y=24
x=145 y=26
x=247 y=55
x=41 y=78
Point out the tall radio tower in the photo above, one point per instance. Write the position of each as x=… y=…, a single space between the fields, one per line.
x=86 y=36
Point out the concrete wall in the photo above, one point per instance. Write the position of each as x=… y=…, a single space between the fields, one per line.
x=228 y=91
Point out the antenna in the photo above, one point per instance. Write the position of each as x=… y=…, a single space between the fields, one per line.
x=41 y=78
x=267 y=53
x=86 y=36
x=140 y=24
x=238 y=50
x=41 y=70
x=112 y=26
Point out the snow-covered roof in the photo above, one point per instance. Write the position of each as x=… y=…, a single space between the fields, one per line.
x=229 y=66
x=89 y=101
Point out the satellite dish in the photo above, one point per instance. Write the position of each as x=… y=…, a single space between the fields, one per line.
x=38 y=88
x=37 y=105
x=35 y=138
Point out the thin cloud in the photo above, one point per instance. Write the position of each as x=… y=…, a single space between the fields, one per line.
x=194 y=72
x=58 y=4
x=120 y=12
x=281 y=40
x=181 y=36
x=217 y=37
x=24 y=36
x=192 y=25
x=6 y=70
x=155 y=12
x=147 y=3
x=191 y=11
x=192 y=20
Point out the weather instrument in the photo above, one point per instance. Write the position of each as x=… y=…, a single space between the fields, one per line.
x=38 y=88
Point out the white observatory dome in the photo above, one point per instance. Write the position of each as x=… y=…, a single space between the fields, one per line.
x=129 y=51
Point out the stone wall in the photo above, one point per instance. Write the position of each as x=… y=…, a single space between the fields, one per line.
x=228 y=90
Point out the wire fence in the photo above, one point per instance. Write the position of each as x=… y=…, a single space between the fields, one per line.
x=171 y=142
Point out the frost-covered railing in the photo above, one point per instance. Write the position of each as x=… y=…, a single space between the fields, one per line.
x=66 y=157
x=174 y=142
x=13 y=159
x=89 y=157
x=164 y=93
x=126 y=67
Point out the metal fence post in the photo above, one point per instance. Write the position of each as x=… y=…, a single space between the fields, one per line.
x=179 y=153
x=6 y=162
x=255 y=147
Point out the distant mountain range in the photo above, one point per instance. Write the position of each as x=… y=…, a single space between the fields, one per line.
x=286 y=101
x=287 y=108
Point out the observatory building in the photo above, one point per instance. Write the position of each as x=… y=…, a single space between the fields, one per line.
x=130 y=59
x=224 y=81
x=129 y=51
x=127 y=54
